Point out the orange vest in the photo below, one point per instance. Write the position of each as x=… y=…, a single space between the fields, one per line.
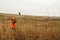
x=12 y=25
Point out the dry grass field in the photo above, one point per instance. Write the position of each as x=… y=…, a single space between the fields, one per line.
x=30 y=28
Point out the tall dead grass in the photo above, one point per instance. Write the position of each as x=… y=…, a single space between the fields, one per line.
x=28 y=28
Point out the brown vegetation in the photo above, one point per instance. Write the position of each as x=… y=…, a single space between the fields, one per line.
x=30 y=28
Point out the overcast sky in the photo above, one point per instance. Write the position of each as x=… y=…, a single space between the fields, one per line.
x=31 y=7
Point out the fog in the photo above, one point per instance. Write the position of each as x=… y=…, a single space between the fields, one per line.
x=31 y=7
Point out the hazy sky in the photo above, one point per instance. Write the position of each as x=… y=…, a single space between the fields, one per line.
x=31 y=7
